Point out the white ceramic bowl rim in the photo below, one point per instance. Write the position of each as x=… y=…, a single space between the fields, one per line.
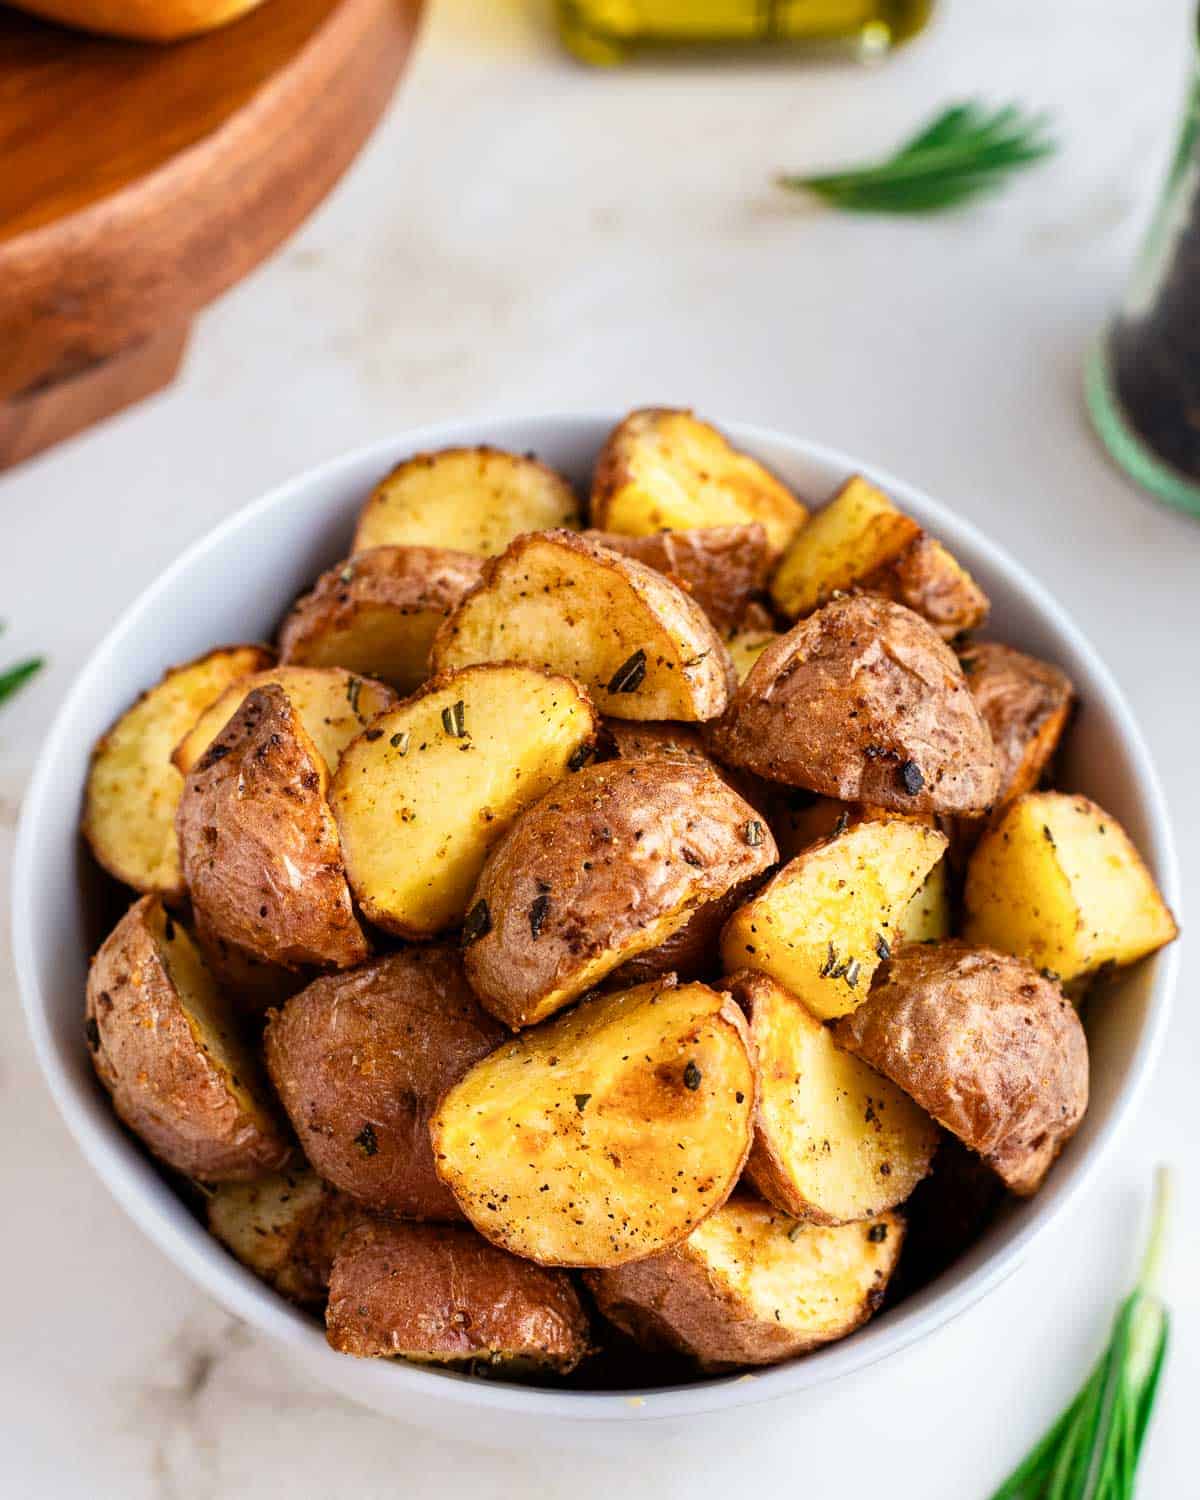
x=151 y=1204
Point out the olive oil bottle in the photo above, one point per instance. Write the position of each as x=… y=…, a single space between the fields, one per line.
x=610 y=31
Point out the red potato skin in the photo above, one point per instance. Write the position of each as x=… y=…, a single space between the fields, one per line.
x=259 y=845
x=723 y=567
x=606 y=852
x=443 y=1294
x=1025 y=704
x=853 y=698
x=985 y=1044
x=165 y=1087
x=361 y=1059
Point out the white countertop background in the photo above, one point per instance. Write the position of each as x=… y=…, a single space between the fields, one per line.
x=523 y=234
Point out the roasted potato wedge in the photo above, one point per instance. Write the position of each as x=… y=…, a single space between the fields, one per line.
x=801 y=819
x=251 y=985
x=360 y=1059
x=637 y=642
x=665 y=470
x=865 y=702
x=1025 y=704
x=333 y=705
x=608 y=1133
x=984 y=1044
x=925 y=578
x=694 y=952
x=259 y=845
x=1058 y=881
x=752 y=1286
x=834 y=1141
x=440 y=1294
x=165 y=1045
x=823 y=924
x=724 y=568
x=285 y=1227
x=609 y=865
x=424 y=794
x=376 y=614
x=861 y=539
x=133 y=789
x=468 y=499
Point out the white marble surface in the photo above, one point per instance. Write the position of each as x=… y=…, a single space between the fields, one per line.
x=522 y=234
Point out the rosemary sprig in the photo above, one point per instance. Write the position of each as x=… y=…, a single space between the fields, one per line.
x=15 y=678
x=1091 y=1452
x=966 y=150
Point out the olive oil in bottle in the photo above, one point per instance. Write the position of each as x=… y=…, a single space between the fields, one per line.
x=610 y=31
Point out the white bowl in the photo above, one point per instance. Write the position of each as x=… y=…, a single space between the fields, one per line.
x=233 y=585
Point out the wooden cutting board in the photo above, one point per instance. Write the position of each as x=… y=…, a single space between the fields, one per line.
x=138 y=182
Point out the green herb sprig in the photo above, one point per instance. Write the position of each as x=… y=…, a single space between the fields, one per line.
x=1091 y=1452
x=15 y=678
x=967 y=150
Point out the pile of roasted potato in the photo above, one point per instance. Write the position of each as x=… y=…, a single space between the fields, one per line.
x=569 y=941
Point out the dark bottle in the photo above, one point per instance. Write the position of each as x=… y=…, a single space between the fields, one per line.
x=1143 y=379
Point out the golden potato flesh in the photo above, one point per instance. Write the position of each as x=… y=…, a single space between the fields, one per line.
x=333 y=705
x=746 y=646
x=133 y=789
x=606 y=1134
x=283 y=1226
x=641 y=647
x=822 y=925
x=857 y=531
x=611 y=864
x=165 y=1044
x=664 y=470
x=425 y=793
x=863 y=701
x=751 y=1286
x=468 y=499
x=983 y=1043
x=1058 y=881
x=834 y=1141
x=376 y=614
x=440 y=1294
x=259 y=844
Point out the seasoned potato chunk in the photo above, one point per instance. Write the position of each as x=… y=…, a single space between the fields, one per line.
x=856 y=532
x=860 y=539
x=800 y=819
x=360 y=1059
x=1025 y=704
x=723 y=567
x=610 y=864
x=639 y=644
x=423 y=795
x=822 y=925
x=865 y=702
x=752 y=1286
x=165 y=1045
x=469 y=499
x=983 y=1043
x=606 y=1134
x=259 y=845
x=376 y=614
x=285 y=1227
x=664 y=470
x=333 y=705
x=834 y=1141
x=133 y=789
x=925 y=578
x=1058 y=881
x=439 y=1294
